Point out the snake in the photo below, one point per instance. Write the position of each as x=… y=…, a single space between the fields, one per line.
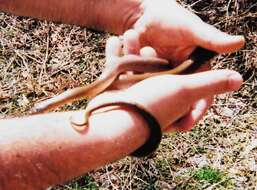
x=150 y=67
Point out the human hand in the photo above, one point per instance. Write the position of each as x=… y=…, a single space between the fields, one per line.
x=174 y=32
x=177 y=101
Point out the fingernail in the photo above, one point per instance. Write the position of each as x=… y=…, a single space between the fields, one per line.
x=240 y=40
x=235 y=81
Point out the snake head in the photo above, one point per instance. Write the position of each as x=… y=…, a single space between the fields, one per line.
x=38 y=108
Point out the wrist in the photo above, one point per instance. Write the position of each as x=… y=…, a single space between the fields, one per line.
x=113 y=16
x=144 y=123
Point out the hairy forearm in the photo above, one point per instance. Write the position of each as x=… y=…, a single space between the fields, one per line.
x=40 y=151
x=109 y=15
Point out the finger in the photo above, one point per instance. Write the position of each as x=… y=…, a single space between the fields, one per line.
x=210 y=83
x=131 y=44
x=113 y=47
x=148 y=52
x=193 y=117
x=207 y=36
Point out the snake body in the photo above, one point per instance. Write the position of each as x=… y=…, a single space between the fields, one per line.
x=153 y=67
x=110 y=73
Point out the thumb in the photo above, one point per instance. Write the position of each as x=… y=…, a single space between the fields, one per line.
x=113 y=47
x=211 y=83
x=209 y=37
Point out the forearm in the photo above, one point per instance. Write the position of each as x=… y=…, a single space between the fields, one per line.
x=108 y=15
x=40 y=151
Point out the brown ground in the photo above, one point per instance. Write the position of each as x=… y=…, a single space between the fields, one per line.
x=40 y=59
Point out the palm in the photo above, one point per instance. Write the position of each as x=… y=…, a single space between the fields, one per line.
x=174 y=32
x=166 y=28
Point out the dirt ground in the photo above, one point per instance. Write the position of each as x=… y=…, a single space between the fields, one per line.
x=39 y=59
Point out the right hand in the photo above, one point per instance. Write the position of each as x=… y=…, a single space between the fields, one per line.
x=177 y=101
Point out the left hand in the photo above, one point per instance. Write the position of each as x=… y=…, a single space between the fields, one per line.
x=174 y=32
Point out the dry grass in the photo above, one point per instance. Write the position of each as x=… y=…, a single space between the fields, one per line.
x=39 y=59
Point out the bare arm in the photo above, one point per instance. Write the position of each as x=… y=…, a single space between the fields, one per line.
x=156 y=22
x=108 y=15
x=40 y=151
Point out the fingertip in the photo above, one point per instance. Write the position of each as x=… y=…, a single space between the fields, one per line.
x=211 y=83
x=230 y=43
x=113 y=40
x=113 y=47
x=148 y=52
x=130 y=33
x=235 y=81
x=209 y=37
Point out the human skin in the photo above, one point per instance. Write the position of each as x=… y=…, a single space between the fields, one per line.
x=43 y=150
x=109 y=15
x=170 y=29
x=166 y=26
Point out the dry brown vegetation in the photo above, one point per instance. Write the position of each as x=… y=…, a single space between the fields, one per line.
x=39 y=59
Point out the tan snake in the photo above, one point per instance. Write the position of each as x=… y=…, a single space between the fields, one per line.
x=153 y=67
